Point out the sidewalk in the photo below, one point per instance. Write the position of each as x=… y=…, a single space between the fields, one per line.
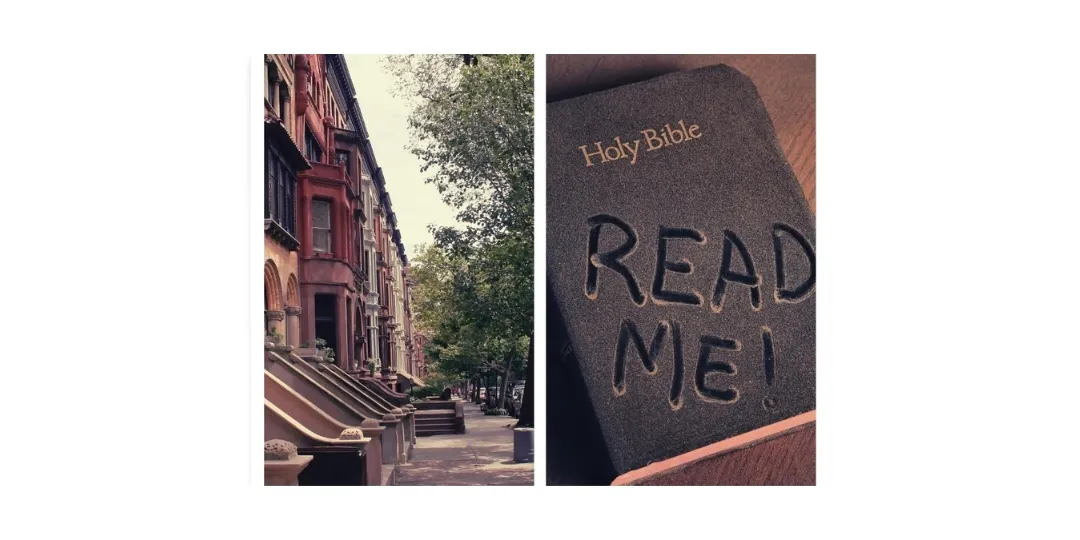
x=482 y=456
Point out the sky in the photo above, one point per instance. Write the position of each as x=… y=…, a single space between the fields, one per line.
x=415 y=203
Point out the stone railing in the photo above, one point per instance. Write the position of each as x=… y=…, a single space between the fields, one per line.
x=282 y=464
x=397 y=419
x=338 y=460
x=379 y=387
x=405 y=412
x=383 y=447
x=340 y=451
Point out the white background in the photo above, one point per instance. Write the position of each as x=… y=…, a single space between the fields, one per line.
x=947 y=359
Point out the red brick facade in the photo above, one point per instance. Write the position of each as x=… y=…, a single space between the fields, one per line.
x=334 y=238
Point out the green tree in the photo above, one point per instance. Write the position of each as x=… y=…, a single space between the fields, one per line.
x=461 y=301
x=472 y=127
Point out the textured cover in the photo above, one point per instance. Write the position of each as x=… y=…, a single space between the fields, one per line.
x=657 y=192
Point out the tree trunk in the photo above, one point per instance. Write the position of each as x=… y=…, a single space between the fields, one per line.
x=506 y=380
x=525 y=419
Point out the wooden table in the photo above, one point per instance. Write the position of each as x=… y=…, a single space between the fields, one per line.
x=782 y=453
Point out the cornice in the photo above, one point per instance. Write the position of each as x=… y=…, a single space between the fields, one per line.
x=274 y=230
x=342 y=82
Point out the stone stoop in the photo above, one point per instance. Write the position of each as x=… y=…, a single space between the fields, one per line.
x=436 y=422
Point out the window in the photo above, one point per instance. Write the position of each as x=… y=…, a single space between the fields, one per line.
x=358 y=247
x=312 y=151
x=282 y=103
x=341 y=157
x=367 y=267
x=370 y=353
x=280 y=181
x=326 y=321
x=320 y=225
x=364 y=169
x=373 y=339
x=270 y=85
x=272 y=172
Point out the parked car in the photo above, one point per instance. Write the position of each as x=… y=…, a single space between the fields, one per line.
x=513 y=405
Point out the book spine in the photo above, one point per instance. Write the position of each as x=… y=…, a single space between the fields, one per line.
x=577 y=453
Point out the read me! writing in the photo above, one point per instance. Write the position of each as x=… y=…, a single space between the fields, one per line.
x=787 y=289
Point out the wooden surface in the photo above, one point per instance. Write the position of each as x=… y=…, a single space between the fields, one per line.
x=781 y=454
x=786 y=84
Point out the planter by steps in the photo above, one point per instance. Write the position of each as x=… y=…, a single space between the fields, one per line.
x=310 y=352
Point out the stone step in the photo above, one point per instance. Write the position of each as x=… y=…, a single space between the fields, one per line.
x=422 y=420
x=389 y=475
x=440 y=425
x=425 y=421
x=435 y=412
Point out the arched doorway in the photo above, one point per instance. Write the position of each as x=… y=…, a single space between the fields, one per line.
x=292 y=293
x=292 y=312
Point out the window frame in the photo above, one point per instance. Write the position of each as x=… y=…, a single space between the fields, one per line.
x=279 y=201
x=282 y=105
x=347 y=161
x=310 y=143
x=329 y=226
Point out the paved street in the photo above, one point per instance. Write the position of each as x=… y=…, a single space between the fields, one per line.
x=482 y=456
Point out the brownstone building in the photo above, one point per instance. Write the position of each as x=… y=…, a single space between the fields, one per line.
x=335 y=264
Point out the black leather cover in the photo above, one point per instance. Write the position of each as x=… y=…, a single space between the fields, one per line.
x=651 y=187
